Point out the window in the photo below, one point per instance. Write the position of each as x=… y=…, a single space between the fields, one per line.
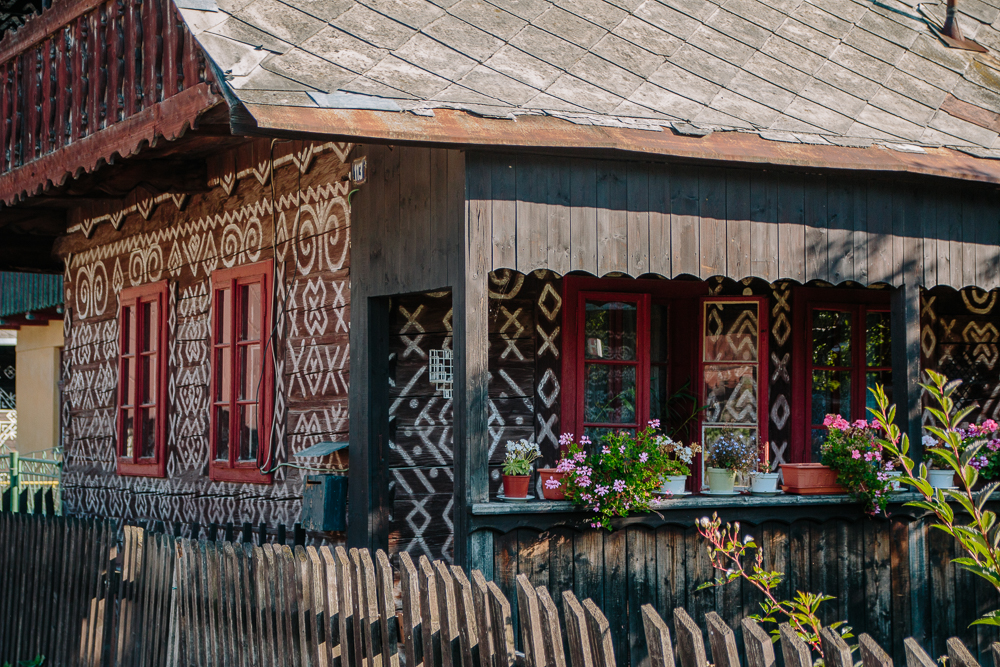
x=242 y=373
x=733 y=378
x=142 y=373
x=847 y=353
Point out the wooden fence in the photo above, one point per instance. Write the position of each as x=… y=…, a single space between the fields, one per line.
x=70 y=591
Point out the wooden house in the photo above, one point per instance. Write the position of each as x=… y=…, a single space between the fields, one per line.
x=272 y=215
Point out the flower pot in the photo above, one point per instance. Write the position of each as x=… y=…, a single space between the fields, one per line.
x=941 y=479
x=516 y=486
x=764 y=482
x=894 y=475
x=721 y=480
x=673 y=485
x=552 y=486
x=810 y=478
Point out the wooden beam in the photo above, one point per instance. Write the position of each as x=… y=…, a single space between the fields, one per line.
x=905 y=332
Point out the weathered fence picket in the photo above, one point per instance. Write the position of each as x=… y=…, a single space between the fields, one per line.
x=166 y=601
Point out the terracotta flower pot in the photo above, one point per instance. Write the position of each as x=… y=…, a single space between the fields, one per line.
x=810 y=478
x=516 y=486
x=556 y=493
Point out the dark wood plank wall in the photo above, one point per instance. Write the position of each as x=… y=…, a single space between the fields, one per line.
x=634 y=218
x=891 y=578
x=183 y=239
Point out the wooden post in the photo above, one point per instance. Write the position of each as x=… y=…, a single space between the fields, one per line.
x=350 y=634
x=723 y=641
x=995 y=652
x=531 y=623
x=661 y=649
x=690 y=643
x=409 y=589
x=503 y=627
x=757 y=644
x=600 y=635
x=958 y=655
x=374 y=640
x=916 y=656
x=835 y=650
x=872 y=654
x=905 y=333
x=552 y=636
x=793 y=649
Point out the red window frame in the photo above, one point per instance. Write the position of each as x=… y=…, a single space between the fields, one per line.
x=762 y=363
x=859 y=302
x=232 y=469
x=576 y=291
x=130 y=332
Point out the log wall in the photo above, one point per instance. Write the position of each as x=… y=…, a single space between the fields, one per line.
x=297 y=191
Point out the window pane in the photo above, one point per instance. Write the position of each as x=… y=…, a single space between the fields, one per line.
x=611 y=330
x=877 y=352
x=250 y=381
x=128 y=381
x=223 y=375
x=596 y=433
x=149 y=326
x=731 y=331
x=831 y=338
x=873 y=378
x=711 y=434
x=818 y=438
x=248 y=433
x=730 y=393
x=223 y=323
x=148 y=379
x=221 y=433
x=128 y=434
x=250 y=315
x=126 y=324
x=831 y=395
x=658 y=334
x=609 y=394
x=148 y=432
x=658 y=394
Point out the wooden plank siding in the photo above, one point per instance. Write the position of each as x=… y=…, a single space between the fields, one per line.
x=636 y=218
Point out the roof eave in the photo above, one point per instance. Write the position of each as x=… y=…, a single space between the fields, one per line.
x=452 y=127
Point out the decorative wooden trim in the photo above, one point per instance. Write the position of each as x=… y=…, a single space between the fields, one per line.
x=233 y=470
x=169 y=120
x=40 y=27
x=132 y=297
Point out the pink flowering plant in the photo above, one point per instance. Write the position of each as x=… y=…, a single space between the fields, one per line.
x=854 y=451
x=614 y=476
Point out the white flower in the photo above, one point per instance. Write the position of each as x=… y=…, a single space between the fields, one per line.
x=928 y=440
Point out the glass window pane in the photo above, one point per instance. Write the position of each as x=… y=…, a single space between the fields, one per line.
x=873 y=378
x=658 y=334
x=149 y=326
x=831 y=338
x=818 y=438
x=730 y=393
x=248 y=433
x=128 y=434
x=223 y=323
x=831 y=395
x=221 y=433
x=148 y=417
x=877 y=352
x=731 y=331
x=128 y=381
x=148 y=362
x=611 y=330
x=596 y=433
x=223 y=375
x=126 y=323
x=250 y=315
x=250 y=381
x=609 y=394
x=658 y=394
x=710 y=434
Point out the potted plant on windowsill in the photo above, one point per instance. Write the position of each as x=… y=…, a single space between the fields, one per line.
x=854 y=451
x=517 y=468
x=677 y=458
x=731 y=453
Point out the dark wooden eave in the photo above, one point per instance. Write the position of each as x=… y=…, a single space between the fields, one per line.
x=461 y=129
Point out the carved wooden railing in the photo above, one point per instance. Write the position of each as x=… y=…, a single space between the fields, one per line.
x=84 y=66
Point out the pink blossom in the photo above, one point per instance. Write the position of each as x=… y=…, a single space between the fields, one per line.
x=601 y=490
x=829 y=419
x=621 y=449
x=655 y=423
x=868 y=456
x=855 y=454
x=566 y=439
x=836 y=422
x=860 y=423
x=552 y=483
x=989 y=425
x=643 y=457
x=619 y=486
x=579 y=457
x=889 y=465
x=606 y=450
x=584 y=440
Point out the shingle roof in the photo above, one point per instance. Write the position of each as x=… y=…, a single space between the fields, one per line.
x=846 y=72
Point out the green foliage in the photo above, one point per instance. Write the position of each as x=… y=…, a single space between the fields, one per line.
x=731 y=555
x=520 y=455
x=733 y=450
x=35 y=662
x=975 y=528
x=853 y=450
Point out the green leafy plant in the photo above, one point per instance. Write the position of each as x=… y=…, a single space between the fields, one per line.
x=739 y=557
x=976 y=529
x=733 y=450
x=520 y=455
x=676 y=456
x=618 y=477
x=35 y=662
x=854 y=451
